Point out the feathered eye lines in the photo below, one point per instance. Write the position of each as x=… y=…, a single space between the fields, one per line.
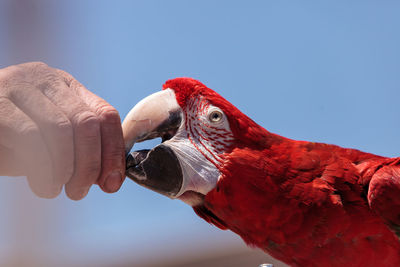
x=215 y=115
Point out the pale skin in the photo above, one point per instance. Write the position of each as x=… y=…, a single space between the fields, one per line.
x=57 y=133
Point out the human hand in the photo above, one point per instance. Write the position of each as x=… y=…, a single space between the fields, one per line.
x=56 y=132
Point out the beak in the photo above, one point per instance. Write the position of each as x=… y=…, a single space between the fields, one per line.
x=159 y=169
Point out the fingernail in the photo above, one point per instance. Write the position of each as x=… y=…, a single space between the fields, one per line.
x=113 y=181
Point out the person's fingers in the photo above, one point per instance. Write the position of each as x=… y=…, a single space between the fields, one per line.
x=21 y=135
x=55 y=128
x=87 y=139
x=112 y=144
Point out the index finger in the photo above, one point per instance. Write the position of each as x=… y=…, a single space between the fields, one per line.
x=112 y=143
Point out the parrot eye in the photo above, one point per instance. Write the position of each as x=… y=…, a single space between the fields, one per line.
x=215 y=116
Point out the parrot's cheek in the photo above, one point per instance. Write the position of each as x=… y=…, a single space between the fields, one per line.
x=192 y=198
x=157 y=169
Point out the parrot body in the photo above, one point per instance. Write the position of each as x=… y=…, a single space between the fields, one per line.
x=304 y=203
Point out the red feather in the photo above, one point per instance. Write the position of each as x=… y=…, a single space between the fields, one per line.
x=307 y=204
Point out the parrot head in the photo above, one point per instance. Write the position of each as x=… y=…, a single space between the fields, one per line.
x=200 y=133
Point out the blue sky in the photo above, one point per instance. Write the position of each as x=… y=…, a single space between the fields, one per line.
x=325 y=71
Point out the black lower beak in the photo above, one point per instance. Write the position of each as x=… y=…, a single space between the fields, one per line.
x=157 y=169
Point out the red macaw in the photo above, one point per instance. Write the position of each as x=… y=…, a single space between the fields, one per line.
x=304 y=203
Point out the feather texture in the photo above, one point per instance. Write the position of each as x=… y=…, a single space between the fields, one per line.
x=305 y=203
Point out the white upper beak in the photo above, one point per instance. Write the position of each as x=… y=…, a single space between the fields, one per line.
x=143 y=121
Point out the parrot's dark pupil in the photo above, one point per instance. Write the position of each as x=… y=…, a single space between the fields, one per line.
x=215 y=116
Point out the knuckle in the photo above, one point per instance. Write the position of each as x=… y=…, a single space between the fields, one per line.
x=29 y=65
x=11 y=76
x=88 y=123
x=24 y=68
x=63 y=127
x=47 y=74
x=28 y=75
x=36 y=65
x=108 y=115
x=28 y=129
x=33 y=75
x=34 y=68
